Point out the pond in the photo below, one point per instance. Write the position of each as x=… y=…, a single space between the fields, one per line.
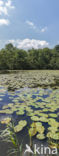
x=34 y=114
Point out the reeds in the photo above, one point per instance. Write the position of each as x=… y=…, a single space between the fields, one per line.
x=8 y=135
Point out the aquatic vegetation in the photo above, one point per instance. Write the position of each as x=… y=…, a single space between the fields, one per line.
x=53 y=129
x=30 y=79
x=37 y=105
x=54 y=135
x=8 y=135
x=53 y=122
x=45 y=110
x=20 y=126
x=53 y=115
x=40 y=136
x=53 y=144
x=43 y=119
x=37 y=108
x=35 y=118
x=36 y=127
x=8 y=106
x=6 y=111
x=20 y=112
x=6 y=120
x=37 y=112
x=32 y=132
x=30 y=114
x=28 y=109
x=41 y=129
x=43 y=114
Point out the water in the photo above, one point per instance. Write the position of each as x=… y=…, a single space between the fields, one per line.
x=29 y=101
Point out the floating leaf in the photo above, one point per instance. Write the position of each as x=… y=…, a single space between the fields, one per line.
x=53 y=115
x=54 y=136
x=39 y=127
x=53 y=129
x=43 y=119
x=40 y=136
x=6 y=120
x=35 y=118
x=20 y=126
x=32 y=131
x=20 y=113
x=53 y=122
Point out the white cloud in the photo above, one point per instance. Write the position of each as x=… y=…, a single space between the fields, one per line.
x=31 y=24
x=37 y=29
x=1 y=2
x=9 y=4
x=29 y=43
x=44 y=29
x=4 y=22
x=3 y=10
x=5 y=7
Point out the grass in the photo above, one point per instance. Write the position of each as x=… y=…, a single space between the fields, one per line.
x=8 y=135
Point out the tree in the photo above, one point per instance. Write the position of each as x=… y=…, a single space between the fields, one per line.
x=12 y=58
x=9 y=46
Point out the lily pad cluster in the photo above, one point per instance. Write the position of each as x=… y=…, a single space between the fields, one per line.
x=36 y=127
x=20 y=126
x=6 y=120
x=30 y=79
x=40 y=105
x=53 y=130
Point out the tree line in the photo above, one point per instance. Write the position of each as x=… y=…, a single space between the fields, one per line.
x=12 y=58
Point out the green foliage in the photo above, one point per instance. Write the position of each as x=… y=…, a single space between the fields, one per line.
x=8 y=135
x=12 y=58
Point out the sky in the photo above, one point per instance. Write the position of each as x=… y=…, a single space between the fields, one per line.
x=29 y=23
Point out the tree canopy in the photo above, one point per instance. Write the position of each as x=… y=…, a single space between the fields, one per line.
x=12 y=58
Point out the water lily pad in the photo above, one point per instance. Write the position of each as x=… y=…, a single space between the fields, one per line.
x=20 y=113
x=36 y=127
x=53 y=115
x=35 y=118
x=39 y=127
x=54 y=136
x=30 y=114
x=40 y=136
x=6 y=120
x=32 y=131
x=20 y=126
x=53 y=122
x=53 y=129
x=43 y=119
x=6 y=111
x=43 y=114
x=36 y=124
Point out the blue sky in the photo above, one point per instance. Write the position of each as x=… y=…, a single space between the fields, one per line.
x=29 y=23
